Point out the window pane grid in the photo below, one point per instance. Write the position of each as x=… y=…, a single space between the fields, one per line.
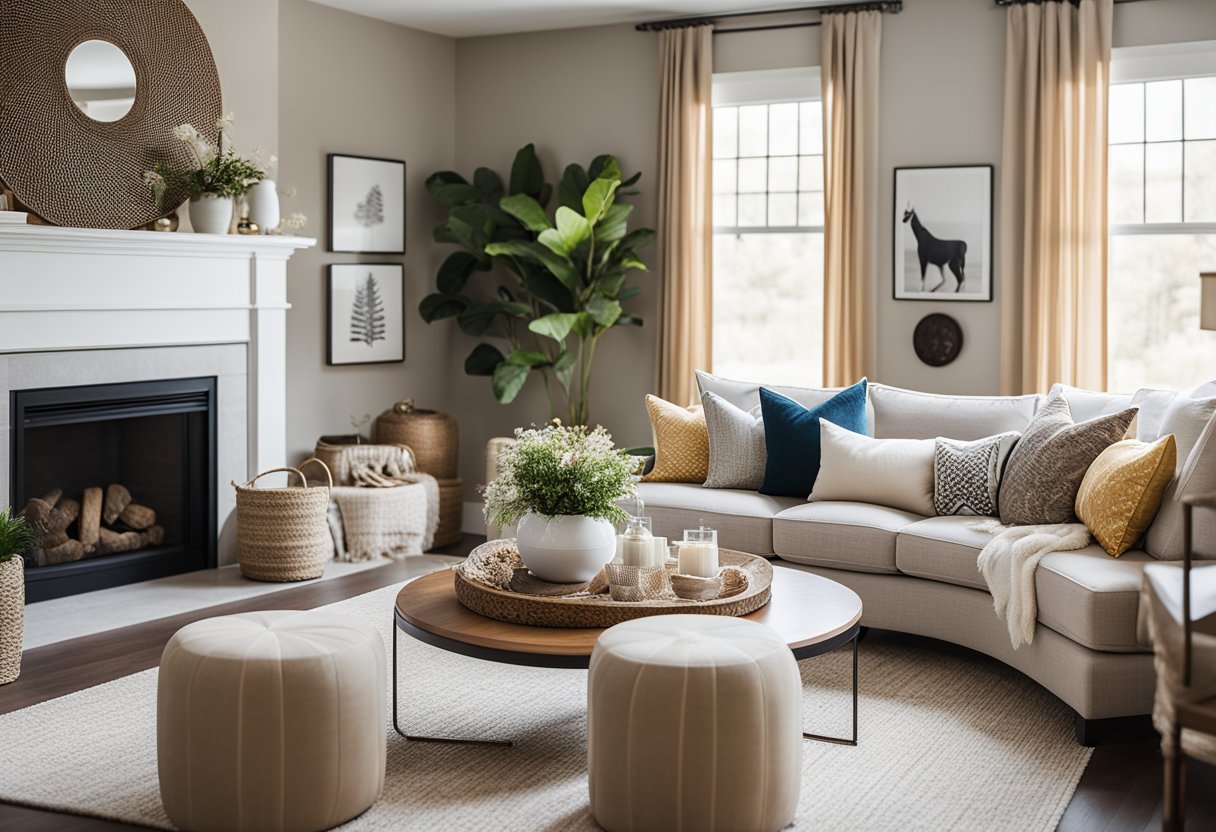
x=768 y=166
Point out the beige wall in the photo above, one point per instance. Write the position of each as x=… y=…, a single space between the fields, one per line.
x=351 y=84
x=576 y=94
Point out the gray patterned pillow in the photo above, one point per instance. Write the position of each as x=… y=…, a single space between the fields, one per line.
x=736 y=445
x=967 y=475
x=1047 y=466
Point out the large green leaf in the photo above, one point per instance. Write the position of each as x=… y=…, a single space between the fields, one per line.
x=443 y=234
x=444 y=177
x=527 y=210
x=489 y=184
x=563 y=368
x=556 y=325
x=456 y=194
x=574 y=183
x=477 y=318
x=631 y=181
x=637 y=238
x=435 y=307
x=527 y=177
x=483 y=360
x=603 y=310
x=628 y=292
x=528 y=358
x=613 y=225
x=605 y=167
x=455 y=271
x=572 y=230
x=598 y=198
x=508 y=380
x=548 y=290
x=559 y=266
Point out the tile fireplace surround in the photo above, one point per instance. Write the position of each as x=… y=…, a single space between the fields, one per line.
x=84 y=306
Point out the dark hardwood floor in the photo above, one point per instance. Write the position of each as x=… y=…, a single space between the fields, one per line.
x=1120 y=790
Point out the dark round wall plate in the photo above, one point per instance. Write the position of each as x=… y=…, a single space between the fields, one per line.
x=938 y=339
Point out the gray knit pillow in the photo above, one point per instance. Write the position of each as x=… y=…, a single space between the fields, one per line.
x=1048 y=463
x=967 y=475
x=736 y=445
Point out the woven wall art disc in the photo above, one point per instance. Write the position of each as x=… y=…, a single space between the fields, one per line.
x=63 y=165
x=937 y=339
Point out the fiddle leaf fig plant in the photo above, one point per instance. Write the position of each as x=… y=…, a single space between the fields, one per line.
x=567 y=273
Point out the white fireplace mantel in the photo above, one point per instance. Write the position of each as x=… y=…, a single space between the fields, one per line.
x=69 y=289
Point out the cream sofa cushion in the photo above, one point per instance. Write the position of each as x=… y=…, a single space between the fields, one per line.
x=737 y=455
x=744 y=519
x=1090 y=404
x=888 y=472
x=1085 y=595
x=1191 y=418
x=855 y=536
x=909 y=414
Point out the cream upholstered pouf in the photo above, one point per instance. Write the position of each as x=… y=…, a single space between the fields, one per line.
x=694 y=722
x=271 y=721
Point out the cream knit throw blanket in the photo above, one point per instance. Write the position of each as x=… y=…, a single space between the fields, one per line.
x=368 y=523
x=1008 y=564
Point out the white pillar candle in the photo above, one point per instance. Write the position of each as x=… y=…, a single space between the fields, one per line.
x=699 y=559
x=637 y=550
x=658 y=557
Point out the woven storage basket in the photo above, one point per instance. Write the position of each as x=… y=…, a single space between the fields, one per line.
x=12 y=618
x=282 y=534
x=451 y=512
x=433 y=436
x=338 y=455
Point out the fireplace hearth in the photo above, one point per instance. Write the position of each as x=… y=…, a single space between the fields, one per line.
x=121 y=479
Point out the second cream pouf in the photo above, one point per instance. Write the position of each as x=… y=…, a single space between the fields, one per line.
x=271 y=721
x=694 y=724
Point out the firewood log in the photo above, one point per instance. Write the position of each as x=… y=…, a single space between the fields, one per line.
x=37 y=512
x=62 y=515
x=154 y=536
x=111 y=542
x=90 y=516
x=117 y=498
x=63 y=553
x=53 y=497
x=138 y=517
x=50 y=541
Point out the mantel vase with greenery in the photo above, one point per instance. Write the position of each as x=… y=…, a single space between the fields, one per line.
x=15 y=538
x=563 y=486
x=568 y=273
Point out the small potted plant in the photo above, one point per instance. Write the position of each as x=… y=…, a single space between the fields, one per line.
x=213 y=180
x=563 y=486
x=16 y=537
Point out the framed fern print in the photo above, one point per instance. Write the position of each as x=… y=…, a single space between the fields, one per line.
x=366 y=204
x=366 y=314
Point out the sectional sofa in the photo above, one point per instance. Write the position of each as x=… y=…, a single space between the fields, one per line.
x=919 y=574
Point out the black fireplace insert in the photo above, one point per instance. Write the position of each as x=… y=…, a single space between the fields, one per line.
x=127 y=478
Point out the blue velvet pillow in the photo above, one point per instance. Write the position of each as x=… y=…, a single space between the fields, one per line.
x=791 y=436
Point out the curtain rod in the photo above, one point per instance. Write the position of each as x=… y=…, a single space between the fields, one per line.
x=890 y=6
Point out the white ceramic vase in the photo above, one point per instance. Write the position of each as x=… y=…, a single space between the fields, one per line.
x=210 y=214
x=566 y=549
x=264 y=205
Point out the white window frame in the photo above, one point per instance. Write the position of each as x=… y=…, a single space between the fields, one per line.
x=767 y=86
x=1160 y=62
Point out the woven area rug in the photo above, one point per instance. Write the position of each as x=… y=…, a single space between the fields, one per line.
x=949 y=740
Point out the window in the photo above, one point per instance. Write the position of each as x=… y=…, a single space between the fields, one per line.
x=1162 y=210
x=768 y=227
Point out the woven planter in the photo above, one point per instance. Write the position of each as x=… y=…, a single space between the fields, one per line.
x=433 y=436
x=451 y=512
x=12 y=618
x=282 y=533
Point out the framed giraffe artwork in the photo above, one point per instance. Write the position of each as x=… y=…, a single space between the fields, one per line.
x=366 y=204
x=943 y=233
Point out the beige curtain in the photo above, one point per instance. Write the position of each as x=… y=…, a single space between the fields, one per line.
x=685 y=209
x=1053 y=195
x=850 y=43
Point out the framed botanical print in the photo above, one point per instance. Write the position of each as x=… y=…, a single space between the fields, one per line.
x=366 y=320
x=366 y=204
x=943 y=233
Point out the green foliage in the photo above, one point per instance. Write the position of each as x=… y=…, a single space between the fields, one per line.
x=568 y=271
x=16 y=536
x=226 y=174
x=561 y=470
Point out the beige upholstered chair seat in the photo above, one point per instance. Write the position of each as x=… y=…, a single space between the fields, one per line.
x=271 y=721
x=694 y=724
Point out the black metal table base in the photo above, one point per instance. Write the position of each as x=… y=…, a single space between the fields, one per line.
x=850 y=636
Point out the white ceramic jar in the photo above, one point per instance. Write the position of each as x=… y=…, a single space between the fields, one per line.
x=264 y=205
x=211 y=214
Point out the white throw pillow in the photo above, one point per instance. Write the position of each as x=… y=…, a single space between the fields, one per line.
x=1150 y=407
x=910 y=414
x=887 y=472
x=1191 y=417
x=1090 y=404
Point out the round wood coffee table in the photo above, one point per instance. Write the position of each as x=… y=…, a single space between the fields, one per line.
x=813 y=614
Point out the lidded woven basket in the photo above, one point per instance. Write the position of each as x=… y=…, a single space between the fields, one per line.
x=433 y=436
x=282 y=534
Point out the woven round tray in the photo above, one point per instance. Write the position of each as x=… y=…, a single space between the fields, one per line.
x=602 y=611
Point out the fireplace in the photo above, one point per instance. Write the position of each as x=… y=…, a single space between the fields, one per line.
x=130 y=467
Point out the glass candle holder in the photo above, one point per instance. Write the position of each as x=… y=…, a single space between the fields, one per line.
x=699 y=553
x=637 y=543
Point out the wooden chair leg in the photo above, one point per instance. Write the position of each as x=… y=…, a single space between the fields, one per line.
x=1174 y=803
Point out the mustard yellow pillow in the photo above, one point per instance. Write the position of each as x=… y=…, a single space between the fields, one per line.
x=1122 y=491
x=681 y=442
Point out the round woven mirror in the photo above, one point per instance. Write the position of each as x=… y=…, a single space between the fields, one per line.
x=84 y=165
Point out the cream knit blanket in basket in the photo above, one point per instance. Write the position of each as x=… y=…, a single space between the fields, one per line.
x=1008 y=563
x=368 y=523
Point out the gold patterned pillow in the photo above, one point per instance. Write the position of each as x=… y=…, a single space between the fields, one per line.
x=1122 y=491
x=681 y=442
